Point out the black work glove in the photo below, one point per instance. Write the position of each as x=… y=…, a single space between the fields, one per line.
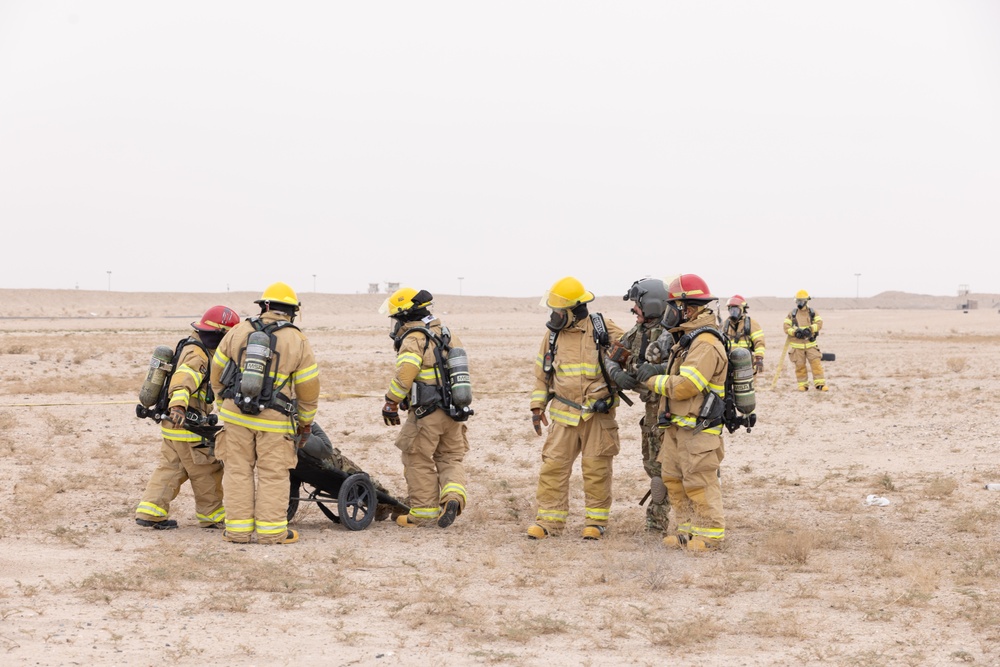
x=176 y=416
x=538 y=420
x=758 y=365
x=619 y=376
x=648 y=370
x=390 y=414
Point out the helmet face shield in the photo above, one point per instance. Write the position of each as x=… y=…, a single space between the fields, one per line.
x=673 y=314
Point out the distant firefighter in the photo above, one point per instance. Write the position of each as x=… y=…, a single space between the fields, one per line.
x=802 y=326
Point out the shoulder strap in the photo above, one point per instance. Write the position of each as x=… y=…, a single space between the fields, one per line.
x=688 y=338
x=600 y=330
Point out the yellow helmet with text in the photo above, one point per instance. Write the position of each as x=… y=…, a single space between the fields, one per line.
x=566 y=293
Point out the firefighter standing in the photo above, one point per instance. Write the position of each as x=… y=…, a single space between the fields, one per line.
x=184 y=455
x=692 y=445
x=432 y=442
x=569 y=372
x=263 y=433
x=649 y=298
x=802 y=327
x=742 y=331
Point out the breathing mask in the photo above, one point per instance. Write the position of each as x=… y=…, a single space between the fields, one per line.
x=558 y=320
x=735 y=312
x=801 y=303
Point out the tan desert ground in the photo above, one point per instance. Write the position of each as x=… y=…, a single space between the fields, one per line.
x=809 y=575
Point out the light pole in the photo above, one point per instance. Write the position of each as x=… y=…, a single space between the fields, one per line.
x=314 y=283
x=109 y=281
x=460 y=279
x=857 y=285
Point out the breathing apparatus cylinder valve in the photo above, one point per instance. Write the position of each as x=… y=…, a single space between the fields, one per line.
x=159 y=366
x=742 y=370
x=255 y=364
x=459 y=378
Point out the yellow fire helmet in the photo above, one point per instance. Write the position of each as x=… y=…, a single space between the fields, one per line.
x=403 y=300
x=279 y=293
x=565 y=294
x=802 y=294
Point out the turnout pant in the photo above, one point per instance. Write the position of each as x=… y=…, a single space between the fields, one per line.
x=691 y=474
x=262 y=507
x=180 y=462
x=432 y=452
x=814 y=357
x=596 y=442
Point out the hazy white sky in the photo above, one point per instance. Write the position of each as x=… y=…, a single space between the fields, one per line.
x=768 y=146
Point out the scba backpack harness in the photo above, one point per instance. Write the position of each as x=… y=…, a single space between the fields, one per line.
x=602 y=340
x=735 y=409
x=154 y=397
x=248 y=380
x=453 y=393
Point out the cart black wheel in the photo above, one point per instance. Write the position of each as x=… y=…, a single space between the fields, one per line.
x=293 y=496
x=357 y=501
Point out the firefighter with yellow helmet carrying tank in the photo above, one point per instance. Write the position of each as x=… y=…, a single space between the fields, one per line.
x=802 y=326
x=183 y=456
x=266 y=376
x=433 y=440
x=572 y=382
x=693 y=380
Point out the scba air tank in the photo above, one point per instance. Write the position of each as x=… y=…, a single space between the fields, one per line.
x=741 y=362
x=255 y=364
x=159 y=366
x=459 y=378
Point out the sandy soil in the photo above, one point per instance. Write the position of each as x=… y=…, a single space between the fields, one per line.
x=810 y=574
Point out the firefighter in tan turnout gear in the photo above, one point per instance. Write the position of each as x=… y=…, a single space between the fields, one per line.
x=572 y=382
x=742 y=331
x=693 y=380
x=433 y=440
x=649 y=299
x=185 y=456
x=802 y=326
x=265 y=373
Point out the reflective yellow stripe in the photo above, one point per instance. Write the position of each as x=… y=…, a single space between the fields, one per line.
x=256 y=423
x=408 y=358
x=272 y=527
x=239 y=526
x=597 y=513
x=695 y=376
x=151 y=509
x=555 y=516
x=220 y=359
x=177 y=434
x=310 y=372
x=660 y=384
x=306 y=416
x=454 y=487
x=397 y=390
x=215 y=517
x=563 y=417
x=712 y=533
x=577 y=370
x=428 y=376
x=425 y=512
x=195 y=375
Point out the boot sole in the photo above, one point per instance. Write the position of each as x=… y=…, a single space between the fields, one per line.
x=449 y=514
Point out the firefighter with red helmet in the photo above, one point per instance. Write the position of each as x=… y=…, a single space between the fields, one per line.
x=571 y=382
x=185 y=456
x=693 y=380
x=743 y=331
x=266 y=376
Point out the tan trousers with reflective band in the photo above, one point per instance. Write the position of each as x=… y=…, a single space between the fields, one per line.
x=264 y=508
x=433 y=449
x=179 y=462
x=799 y=357
x=691 y=474
x=596 y=441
